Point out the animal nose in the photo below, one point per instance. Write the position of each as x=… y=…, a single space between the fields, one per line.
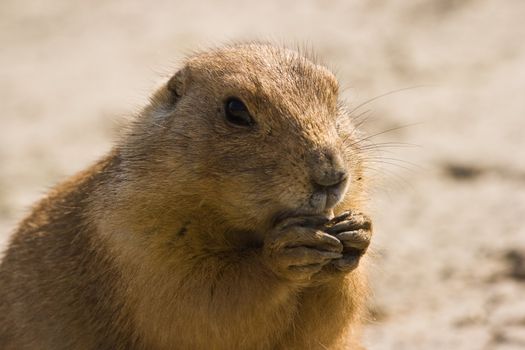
x=328 y=170
x=332 y=185
x=331 y=178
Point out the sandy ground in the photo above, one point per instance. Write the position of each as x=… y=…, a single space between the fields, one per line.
x=449 y=208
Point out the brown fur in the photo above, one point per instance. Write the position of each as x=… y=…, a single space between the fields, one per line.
x=161 y=244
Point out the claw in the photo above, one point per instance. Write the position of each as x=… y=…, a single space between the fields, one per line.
x=348 y=222
x=303 y=221
x=359 y=239
x=341 y=217
x=347 y=263
x=298 y=247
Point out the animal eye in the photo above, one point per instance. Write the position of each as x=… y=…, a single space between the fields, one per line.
x=237 y=113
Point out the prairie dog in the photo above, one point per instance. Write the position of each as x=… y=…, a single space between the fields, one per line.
x=228 y=217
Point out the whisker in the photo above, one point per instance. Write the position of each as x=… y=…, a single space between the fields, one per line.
x=360 y=115
x=417 y=166
x=384 y=145
x=407 y=168
x=384 y=95
x=363 y=121
x=388 y=175
x=384 y=132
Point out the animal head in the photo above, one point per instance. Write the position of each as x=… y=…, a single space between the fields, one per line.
x=252 y=132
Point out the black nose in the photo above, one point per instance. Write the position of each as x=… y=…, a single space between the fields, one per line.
x=332 y=183
x=331 y=178
x=327 y=168
x=328 y=189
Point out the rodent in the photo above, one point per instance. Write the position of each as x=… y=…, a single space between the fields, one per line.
x=227 y=217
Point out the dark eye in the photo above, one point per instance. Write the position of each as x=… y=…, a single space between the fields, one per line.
x=237 y=113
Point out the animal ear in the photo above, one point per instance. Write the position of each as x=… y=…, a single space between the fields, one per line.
x=178 y=82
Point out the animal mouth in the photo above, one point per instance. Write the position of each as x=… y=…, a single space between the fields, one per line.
x=321 y=203
x=283 y=215
x=325 y=199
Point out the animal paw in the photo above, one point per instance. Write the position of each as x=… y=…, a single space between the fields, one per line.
x=297 y=248
x=354 y=231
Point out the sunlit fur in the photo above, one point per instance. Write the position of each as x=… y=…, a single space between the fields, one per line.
x=158 y=245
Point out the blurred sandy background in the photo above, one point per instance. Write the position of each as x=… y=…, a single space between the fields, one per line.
x=450 y=244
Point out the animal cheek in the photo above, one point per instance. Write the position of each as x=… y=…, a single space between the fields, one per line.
x=293 y=193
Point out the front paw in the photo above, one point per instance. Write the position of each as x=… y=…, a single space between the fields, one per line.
x=297 y=248
x=354 y=231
